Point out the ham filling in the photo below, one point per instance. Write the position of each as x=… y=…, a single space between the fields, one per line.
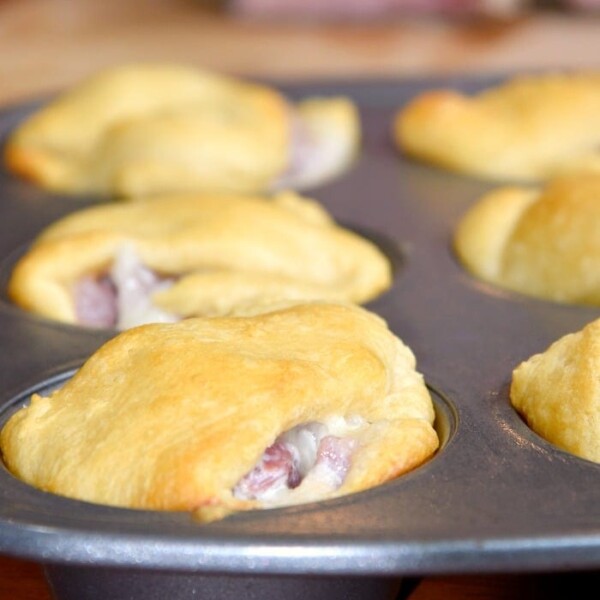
x=304 y=464
x=121 y=298
x=312 y=158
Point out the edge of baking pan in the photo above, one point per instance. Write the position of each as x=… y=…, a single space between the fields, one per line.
x=496 y=498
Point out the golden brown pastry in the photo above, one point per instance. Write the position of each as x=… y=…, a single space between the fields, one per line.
x=145 y=129
x=230 y=413
x=123 y=264
x=558 y=392
x=540 y=242
x=528 y=128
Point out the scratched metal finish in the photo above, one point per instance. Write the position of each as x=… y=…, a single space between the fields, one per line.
x=496 y=497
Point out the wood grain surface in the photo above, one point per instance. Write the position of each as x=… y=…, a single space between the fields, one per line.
x=47 y=44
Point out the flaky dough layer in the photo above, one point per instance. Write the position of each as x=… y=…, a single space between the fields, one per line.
x=229 y=251
x=540 y=242
x=146 y=129
x=171 y=416
x=558 y=392
x=528 y=128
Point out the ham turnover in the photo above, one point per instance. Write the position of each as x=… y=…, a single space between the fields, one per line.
x=213 y=415
x=542 y=242
x=146 y=129
x=557 y=392
x=124 y=264
x=528 y=128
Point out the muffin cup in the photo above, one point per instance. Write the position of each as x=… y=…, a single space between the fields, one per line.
x=495 y=498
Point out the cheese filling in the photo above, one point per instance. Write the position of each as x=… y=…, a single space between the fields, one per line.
x=313 y=157
x=121 y=298
x=304 y=464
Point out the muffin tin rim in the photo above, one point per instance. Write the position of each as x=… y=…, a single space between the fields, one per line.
x=507 y=551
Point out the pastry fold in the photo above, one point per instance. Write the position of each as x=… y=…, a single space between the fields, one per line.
x=539 y=242
x=558 y=392
x=193 y=256
x=146 y=129
x=178 y=416
x=528 y=128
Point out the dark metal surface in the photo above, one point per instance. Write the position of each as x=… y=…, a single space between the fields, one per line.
x=75 y=583
x=496 y=498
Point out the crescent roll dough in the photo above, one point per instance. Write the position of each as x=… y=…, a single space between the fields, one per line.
x=118 y=265
x=527 y=128
x=558 y=392
x=540 y=242
x=138 y=130
x=217 y=414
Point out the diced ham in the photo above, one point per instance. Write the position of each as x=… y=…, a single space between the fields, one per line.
x=304 y=156
x=306 y=457
x=96 y=301
x=314 y=156
x=278 y=467
x=135 y=285
x=121 y=298
x=334 y=458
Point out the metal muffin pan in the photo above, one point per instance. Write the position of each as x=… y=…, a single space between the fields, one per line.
x=495 y=498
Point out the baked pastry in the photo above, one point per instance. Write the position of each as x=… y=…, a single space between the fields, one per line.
x=557 y=392
x=123 y=264
x=540 y=242
x=230 y=413
x=528 y=128
x=138 y=130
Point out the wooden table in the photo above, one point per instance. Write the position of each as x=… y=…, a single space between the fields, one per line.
x=48 y=44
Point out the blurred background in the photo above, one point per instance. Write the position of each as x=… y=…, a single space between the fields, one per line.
x=47 y=44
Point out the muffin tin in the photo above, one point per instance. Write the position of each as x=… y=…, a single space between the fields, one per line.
x=495 y=498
